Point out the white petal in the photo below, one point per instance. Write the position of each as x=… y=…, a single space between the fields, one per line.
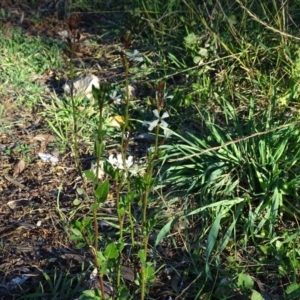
x=134 y=171
x=113 y=95
x=146 y=123
x=129 y=161
x=120 y=160
x=167 y=133
x=164 y=124
x=112 y=160
x=165 y=115
x=168 y=97
x=156 y=114
x=117 y=101
x=135 y=52
x=139 y=59
x=153 y=124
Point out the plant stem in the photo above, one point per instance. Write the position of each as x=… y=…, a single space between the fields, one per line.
x=74 y=111
x=148 y=183
x=124 y=149
x=94 y=251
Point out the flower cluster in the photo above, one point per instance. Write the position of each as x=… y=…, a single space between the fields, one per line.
x=117 y=161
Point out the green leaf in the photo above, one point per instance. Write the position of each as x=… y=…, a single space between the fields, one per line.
x=111 y=251
x=80 y=191
x=293 y=291
x=211 y=239
x=245 y=281
x=203 y=52
x=76 y=232
x=149 y=272
x=196 y=59
x=142 y=256
x=76 y=202
x=90 y=175
x=191 y=38
x=256 y=295
x=165 y=230
x=227 y=203
x=94 y=206
x=101 y=192
x=101 y=258
x=232 y=19
x=80 y=245
x=89 y=295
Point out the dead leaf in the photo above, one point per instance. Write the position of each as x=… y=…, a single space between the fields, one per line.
x=19 y=167
x=46 y=138
x=131 y=91
x=116 y=121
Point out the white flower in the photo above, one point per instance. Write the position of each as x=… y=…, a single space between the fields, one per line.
x=159 y=120
x=117 y=162
x=167 y=132
x=135 y=56
x=116 y=98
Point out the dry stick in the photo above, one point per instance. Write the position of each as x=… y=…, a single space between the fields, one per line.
x=234 y=142
x=265 y=24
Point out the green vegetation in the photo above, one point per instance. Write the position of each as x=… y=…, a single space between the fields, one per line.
x=211 y=211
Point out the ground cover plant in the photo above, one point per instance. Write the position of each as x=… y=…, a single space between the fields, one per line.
x=175 y=177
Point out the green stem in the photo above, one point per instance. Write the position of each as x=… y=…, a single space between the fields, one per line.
x=98 y=154
x=124 y=146
x=148 y=183
x=74 y=111
x=121 y=224
x=99 y=150
x=100 y=277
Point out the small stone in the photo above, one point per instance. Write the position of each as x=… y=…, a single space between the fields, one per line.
x=82 y=86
